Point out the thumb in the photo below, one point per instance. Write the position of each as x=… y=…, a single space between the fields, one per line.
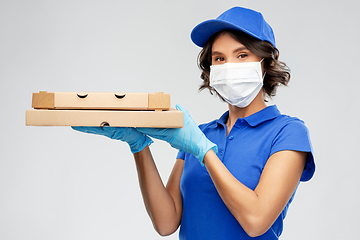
x=181 y=108
x=186 y=115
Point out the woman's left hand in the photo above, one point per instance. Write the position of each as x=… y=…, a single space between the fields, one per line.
x=136 y=140
x=188 y=139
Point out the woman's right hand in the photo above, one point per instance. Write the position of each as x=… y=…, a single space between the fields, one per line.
x=136 y=140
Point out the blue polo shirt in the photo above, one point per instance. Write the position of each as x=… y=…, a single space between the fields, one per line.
x=244 y=152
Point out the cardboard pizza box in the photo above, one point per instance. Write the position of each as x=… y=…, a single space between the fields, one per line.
x=98 y=100
x=154 y=119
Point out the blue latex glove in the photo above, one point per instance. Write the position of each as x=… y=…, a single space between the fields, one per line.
x=136 y=140
x=188 y=139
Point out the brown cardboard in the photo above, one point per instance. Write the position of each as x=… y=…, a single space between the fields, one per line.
x=159 y=101
x=43 y=100
x=103 y=101
x=154 y=119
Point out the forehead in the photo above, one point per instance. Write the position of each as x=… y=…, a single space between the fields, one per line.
x=226 y=42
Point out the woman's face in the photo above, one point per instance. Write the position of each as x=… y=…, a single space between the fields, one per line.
x=227 y=50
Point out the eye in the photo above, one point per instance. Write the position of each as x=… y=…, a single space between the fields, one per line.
x=242 y=56
x=219 y=59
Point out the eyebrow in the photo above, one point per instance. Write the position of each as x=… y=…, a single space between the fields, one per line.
x=236 y=50
x=240 y=49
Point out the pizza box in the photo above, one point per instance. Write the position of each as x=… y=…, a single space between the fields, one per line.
x=100 y=100
x=171 y=118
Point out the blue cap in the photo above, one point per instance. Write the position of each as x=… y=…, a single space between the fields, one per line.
x=236 y=18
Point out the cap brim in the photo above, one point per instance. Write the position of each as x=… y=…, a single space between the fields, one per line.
x=202 y=32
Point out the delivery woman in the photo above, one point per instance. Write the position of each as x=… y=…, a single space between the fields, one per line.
x=234 y=177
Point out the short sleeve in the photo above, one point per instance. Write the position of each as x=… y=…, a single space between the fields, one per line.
x=181 y=155
x=295 y=136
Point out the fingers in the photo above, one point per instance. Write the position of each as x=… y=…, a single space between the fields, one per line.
x=141 y=130
x=181 y=108
x=186 y=115
x=147 y=131
x=94 y=130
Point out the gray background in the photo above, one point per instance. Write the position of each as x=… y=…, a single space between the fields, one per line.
x=56 y=183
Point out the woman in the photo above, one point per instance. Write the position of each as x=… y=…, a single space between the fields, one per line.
x=251 y=158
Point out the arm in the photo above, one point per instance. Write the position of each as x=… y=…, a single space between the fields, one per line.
x=257 y=210
x=163 y=204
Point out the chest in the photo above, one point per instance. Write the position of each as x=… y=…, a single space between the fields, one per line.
x=244 y=152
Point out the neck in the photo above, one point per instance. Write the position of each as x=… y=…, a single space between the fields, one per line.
x=255 y=106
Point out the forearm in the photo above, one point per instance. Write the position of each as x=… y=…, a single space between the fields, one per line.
x=159 y=204
x=257 y=210
x=242 y=202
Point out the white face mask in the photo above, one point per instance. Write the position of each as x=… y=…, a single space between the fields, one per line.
x=237 y=83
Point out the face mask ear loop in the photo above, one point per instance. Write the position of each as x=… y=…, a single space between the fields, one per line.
x=264 y=71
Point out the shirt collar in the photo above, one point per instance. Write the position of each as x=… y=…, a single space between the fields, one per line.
x=257 y=118
x=264 y=115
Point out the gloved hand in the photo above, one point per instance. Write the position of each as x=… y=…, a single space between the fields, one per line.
x=188 y=139
x=136 y=140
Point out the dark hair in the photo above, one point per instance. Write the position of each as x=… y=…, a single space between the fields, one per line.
x=277 y=72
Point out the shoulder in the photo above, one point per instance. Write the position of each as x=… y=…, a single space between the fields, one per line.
x=290 y=129
x=209 y=125
x=292 y=134
x=288 y=123
x=284 y=120
x=293 y=128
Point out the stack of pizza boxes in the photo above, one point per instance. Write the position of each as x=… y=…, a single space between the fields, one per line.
x=103 y=109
